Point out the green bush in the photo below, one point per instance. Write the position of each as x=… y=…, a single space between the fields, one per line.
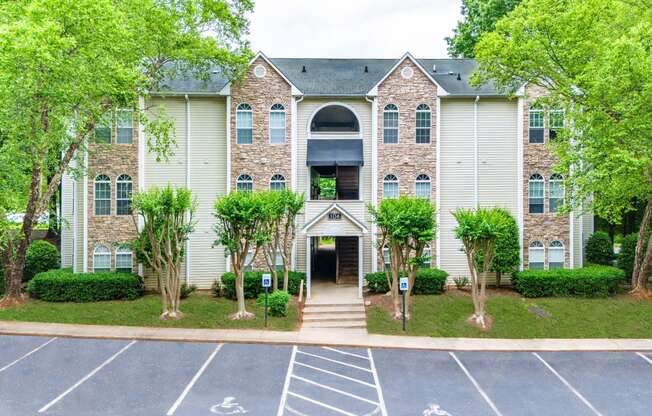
x=592 y=281
x=277 y=302
x=253 y=284
x=63 y=286
x=2 y=281
x=427 y=282
x=599 y=249
x=41 y=257
x=187 y=290
x=627 y=254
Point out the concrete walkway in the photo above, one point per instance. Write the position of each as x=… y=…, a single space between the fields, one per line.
x=352 y=338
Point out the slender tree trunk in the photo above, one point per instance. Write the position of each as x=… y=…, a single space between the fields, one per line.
x=286 y=275
x=239 y=292
x=643 y=256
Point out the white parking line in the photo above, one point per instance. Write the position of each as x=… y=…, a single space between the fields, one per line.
x=567 y=384
x=335 y=361
x=645 y=357
x=89 y=375
x=334 y=374
x=318 y=403
x=193 y=381
x=346 y=353
x=323 y=386
x=476 y=385
x=284 y=396
x=16 y=361
x=383 y=409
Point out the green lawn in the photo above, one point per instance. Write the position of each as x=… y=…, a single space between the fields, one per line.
x=201 y=311
x=445 y=316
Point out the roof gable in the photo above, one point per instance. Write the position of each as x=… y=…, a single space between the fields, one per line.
x=344 y=216
x=440 y=90
x=226 y=90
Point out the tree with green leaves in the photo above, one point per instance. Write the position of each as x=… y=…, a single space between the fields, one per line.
x=479 y=230
x=507 y=253
x=593 y=58
x=479 y=17
x=405 y=226
x=167 y=223
x=67 y=63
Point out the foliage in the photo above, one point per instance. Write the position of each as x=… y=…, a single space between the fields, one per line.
x=427 y=282
x=62 y=286
x=479 y=17
x=277 y=302
x=591 y=281
x=599 y=249
x=253 y=285
x=507 y=255
x=41 y=257
x=187 y=290
x=461 y=282
x=627 y=254
x=327 y=188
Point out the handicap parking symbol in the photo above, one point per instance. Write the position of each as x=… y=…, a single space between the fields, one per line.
x=228 y=407
x=435 y=410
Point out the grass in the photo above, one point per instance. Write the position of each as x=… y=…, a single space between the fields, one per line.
x=201 y=311
x=445 y=316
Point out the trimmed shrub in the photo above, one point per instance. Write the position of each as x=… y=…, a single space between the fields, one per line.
x=427 y=282
x=627 y=254
x=62 y=286
x=590 y=282
x=277 y=302
x=253 y=284
x=2 y=281
x=187 y=290
x=41 y=257
x=599 y=249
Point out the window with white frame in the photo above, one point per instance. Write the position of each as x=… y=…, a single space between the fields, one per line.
x=102 y=189
x=390 y=186
x=426 y=256
x=536 y=255
x=556 y=255
x=125 y=127
x=277 y=183
x=422 y=186
x=556 y=193
x=244 y=124
x=101 y=259
x=277 y=124
x=249 y=260
x=536 y=186
x=557 y=116
x=423 y=122
x=536 y=122
x=279 y=261
x=387 y=260
x=390 y=124
x=123 y=190
x=103 y=128
x=124 y=260
x=244 y=183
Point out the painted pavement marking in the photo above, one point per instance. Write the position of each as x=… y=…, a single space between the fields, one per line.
x=284 y=396
x=323 y=386
x=318 y=403
x=355 y=380
x=476 y=385
x=16 y=361
x=346 y=353
x=643 y=356
x=335 y=361
x=85 y=378
x=193 y=381
x=383 y=409
x=567 y=384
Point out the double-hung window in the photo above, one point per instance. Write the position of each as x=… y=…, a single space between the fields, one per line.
x=277 y=183
x=423 y=123
x=244 y=183
x=124 y=260
x=422 y=186
x=390 y=124
x=101 y=259
x=244 y=124
x=123 y=190
x=103 y=128
x=536 y=124
x=556 y=255
x=536 y=255
x=125 y=127
x=557 y=116
x=556 y=193
x=102 y=188
x=277 y=124
x=390 y=186
x=536 y=187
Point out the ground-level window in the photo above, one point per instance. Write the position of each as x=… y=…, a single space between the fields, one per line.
x=536 y=255
x=277 y=183
x=101 y=259
x=536 y=194
x=556 y=255
x=390 y=124
x=102 y=189
x=427 y=257
x=422 y=186
x=390 y=186
x=245 y=183
x=387 y=261
x=244 y=124
x=249 y=260
x=123 y=195
x=124 y=260
x=423 y=121
x=277 y=124
x=279 y=261
x=556 y=192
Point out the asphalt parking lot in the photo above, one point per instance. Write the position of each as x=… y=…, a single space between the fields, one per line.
x=75 y=377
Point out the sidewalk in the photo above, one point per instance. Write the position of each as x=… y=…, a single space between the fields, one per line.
x=321 y=337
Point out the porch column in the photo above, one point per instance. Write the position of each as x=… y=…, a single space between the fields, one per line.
x=308 y=266
x=360 y=268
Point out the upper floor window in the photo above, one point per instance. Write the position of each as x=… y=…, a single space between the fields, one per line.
x=335 y=119
x=245 y=183
x=557 y=116
x=103 y=128
x=423 y=120
x=536 y=124
x=101 y=259
x=277 y=183
x=536 y=255
x=102 y=195
x=556 y=193
x=536 y=194
x=556 y=255
x=123 y=191
x=422 y=186
x=244 y=124
x=277 y=124
x=390 y=186
x=124 y=259
x=125 y=127
x=390 y=124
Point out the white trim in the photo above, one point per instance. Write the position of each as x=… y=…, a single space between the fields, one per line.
x=398 y=129
x=331 y=207
x=293 y=144
x=251 y=110
x=438 y=182
x=188 y=127
x=226 y=90
x=141 y=168
x=519 y=173
x=440 y=90
x=379 y=389
x=228 y=144
x=269 y=123
x=374 y=178
x=85 y=217
x=571 y=241
x=308 y=267
x=476 y=154
x=360 y=268
x=359 y=134
x=582 y=238
x=75 y=217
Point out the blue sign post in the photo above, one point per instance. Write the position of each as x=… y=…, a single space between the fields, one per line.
x=403 y=287
x=267 y=283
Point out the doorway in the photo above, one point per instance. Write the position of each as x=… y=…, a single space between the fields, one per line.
x=334 y=259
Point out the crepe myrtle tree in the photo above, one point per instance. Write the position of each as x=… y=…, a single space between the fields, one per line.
x=167 y=223
x=405 y=226
x=507 y=252
x=68 y=63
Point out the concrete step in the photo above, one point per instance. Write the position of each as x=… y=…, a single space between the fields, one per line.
x=334 y=303
x=310 y=310
x=334 y=317
x=338 y=324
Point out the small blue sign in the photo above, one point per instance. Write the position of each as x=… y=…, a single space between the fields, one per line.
x=403 y=284
x=267 y=280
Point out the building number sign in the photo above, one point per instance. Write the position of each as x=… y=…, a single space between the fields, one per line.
x=334 y=216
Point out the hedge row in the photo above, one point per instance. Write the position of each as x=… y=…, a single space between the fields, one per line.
x=591 y=282
x=63 y=286
x=253 y=284
x=427 y=282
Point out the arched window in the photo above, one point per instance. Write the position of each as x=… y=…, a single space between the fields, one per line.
x=556 y=255
x=102 y=195
x=277 y=183
x=125 y=127
x=536 y=255
x=536 y=123
x=427 y=257
x=336 y=119
x=277 y=124
x=245 y=183
x=244 y=124
x=387 y=261
x=390 y=124
x=123 y=260
x=423 y=121
x=101 y=259
x=123 y=190
x=536 y=194
x=422 y=186
x=556 y=193
x=390 y=186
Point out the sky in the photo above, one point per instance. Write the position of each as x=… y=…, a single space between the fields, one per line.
x=352 y=28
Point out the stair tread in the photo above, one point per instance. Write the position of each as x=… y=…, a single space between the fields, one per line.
x=339 y=324
x=333 y=309
x=335 y=317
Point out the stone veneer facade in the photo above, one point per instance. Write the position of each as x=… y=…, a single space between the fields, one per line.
x=539 y=158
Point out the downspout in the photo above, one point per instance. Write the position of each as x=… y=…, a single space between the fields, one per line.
x=141 y=168
x=187 y=259
x=295 y=115
x=374 y=176
x=476 y=152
